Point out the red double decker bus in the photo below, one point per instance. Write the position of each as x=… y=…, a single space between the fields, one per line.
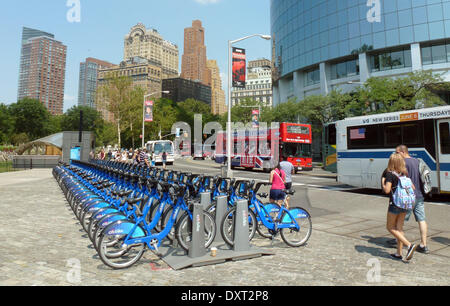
x=263 y=148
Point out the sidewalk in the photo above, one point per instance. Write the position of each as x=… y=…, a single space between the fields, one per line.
x=42 y=240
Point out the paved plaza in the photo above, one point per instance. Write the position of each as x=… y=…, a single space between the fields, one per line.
x=43 y=244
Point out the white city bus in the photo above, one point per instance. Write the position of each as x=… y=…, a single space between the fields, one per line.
x=364 y=145
x=156 y=149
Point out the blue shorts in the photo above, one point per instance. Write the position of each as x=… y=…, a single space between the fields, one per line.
x=418 y=210
x=277 y=194
x=396 y=210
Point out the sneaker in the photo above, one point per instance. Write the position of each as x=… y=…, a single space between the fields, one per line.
x=411 y=251
x=423 y=250
x=396 y=256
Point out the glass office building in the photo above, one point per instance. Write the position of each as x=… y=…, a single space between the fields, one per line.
x=321 y=45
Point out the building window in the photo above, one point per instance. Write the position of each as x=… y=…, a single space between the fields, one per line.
x=396 y=59
x=344 y=69
x=312 y=77
x=436 y=53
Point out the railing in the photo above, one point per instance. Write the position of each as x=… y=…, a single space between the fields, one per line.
x=35 y=161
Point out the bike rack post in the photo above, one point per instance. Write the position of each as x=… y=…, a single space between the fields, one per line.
x=221 y=210
x=197 y=248
x=241 y=227
x=205 y=199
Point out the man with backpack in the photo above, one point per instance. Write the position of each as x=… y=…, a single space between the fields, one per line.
x=417 y=174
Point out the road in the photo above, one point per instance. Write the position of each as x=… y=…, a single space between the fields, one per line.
x=44 y=244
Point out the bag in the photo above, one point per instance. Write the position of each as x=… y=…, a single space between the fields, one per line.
x=404 y=196
x=425 y=177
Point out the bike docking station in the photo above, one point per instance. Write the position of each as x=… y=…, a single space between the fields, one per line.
x=198 y=256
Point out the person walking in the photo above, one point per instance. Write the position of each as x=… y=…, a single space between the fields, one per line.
x=164 y=159
x=412 y=165
x=289 y=170
x=278 y=180
x=396 y=216
x=142 y=158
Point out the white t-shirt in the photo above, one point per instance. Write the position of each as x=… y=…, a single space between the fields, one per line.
x=287 y=167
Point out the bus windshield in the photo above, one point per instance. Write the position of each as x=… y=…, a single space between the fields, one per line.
x=296 y=150
x=161 y=147
x=295 y=129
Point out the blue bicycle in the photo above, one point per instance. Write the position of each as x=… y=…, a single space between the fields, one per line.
x=294 y=225
x=123 y=243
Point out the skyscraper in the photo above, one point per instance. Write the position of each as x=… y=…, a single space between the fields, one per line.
x=88 y=80
x=218 y=106
x=149 y=44
x=42 y=69
x=193 y=66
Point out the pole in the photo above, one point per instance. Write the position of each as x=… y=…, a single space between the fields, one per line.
x=229 y=173
x=143 y=123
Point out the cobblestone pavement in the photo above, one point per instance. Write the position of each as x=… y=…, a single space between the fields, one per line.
x=43 y=244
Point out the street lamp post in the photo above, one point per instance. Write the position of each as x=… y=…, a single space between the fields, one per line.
x=230 y=45
x=143 y=113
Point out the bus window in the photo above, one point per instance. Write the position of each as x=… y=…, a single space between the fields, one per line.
x=411 y=134
x=296 y=150
x=364 y=137
x=331 y=134
x=393 y=135
x=444 y=135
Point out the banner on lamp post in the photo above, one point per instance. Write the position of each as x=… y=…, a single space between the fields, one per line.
x=255 y=118
x=239 y=67
x=148 y=115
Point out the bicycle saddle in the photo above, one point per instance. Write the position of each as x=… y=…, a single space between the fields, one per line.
x=132 y=201
x=290 y=192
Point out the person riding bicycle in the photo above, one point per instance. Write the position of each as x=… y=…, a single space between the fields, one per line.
x=278 y=181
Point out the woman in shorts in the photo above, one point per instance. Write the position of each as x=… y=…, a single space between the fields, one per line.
x=278 y=180
x=396 y=215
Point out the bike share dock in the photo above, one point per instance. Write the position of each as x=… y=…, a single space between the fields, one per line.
x=198 y=256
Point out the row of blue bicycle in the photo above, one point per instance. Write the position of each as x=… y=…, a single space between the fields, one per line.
x=126 y=209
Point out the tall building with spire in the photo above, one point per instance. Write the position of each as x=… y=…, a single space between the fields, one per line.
x=193 y=66
x=42 y=69
x=218 y=106
x=149 y=44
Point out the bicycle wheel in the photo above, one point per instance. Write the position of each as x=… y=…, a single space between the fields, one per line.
x=184 y=230
x=114 y=254
x=272 y=210
x=167 y=214
x=227 y=226
x=153 y=210
x=297 y=237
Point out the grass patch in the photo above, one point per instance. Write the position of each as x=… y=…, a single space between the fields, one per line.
x=6 y=167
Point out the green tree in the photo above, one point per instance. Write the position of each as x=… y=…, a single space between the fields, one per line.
x=92 y=120
x=30 y=117
x=54 y=125
x=6 y=124
x=114 y=96
x=384 y=95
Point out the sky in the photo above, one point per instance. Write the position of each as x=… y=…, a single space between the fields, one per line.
x=103 y=25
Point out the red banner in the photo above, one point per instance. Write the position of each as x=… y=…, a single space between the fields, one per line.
x=239 y=68
x=148 y=115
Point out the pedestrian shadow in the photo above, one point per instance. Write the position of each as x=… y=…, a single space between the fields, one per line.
x=441 y=240
x=380 y=241
x=376 y=252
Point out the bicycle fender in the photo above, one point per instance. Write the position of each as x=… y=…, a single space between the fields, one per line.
x=103 y=212
x=106 y=221
x=296 y=213
x=270 y=208
x=124 y=228
x=96 y=207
